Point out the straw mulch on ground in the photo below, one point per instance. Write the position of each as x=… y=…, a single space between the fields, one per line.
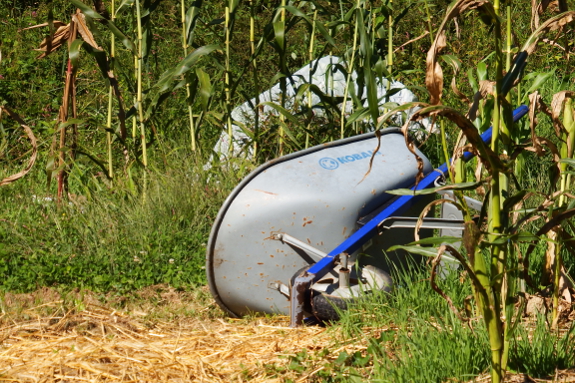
x=101 y=345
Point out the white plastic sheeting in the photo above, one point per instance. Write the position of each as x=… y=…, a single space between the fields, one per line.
x=329 y=80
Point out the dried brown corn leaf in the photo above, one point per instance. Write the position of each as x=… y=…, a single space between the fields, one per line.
x=434 y=73
x=84 y=31
x=553 y=24
x=52 y=43
x=33 y=142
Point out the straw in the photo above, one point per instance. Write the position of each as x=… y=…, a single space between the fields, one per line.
x=103 y=345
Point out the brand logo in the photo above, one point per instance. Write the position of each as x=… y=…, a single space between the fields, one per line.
x=328 y=163
x=333 y=163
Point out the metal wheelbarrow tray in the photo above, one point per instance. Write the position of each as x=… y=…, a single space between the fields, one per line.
x=291 y=230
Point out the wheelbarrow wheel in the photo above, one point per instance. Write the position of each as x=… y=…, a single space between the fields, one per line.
x=328 y=306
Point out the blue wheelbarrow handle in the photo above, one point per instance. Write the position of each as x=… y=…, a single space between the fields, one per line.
x=398 y=206
x=360 y=237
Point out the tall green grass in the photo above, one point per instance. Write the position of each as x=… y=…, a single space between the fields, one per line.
x=109 y=237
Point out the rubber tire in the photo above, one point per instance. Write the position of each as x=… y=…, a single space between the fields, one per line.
x=327 y=307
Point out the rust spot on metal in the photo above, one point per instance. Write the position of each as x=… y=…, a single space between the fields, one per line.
x=266 y=192
x=344 y=230
x=260 y=263
x=308 y=241
x=271 y=255
x=217 y=262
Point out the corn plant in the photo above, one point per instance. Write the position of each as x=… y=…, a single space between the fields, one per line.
x=189 y=20
x=66 y=34
x=491 y=255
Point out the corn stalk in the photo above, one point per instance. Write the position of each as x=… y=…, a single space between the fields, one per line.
x=139 y=62
x=493 y=278
x=110 y=99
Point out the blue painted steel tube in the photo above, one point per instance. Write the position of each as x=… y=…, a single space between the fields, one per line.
x=397 y=206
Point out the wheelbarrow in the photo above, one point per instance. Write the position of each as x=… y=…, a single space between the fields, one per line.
x=308 y=232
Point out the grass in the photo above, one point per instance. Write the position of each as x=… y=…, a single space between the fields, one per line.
x=117 y=238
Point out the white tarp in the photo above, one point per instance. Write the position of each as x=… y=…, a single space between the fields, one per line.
x=329 y=80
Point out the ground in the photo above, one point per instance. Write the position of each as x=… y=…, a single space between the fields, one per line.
x=162 y=335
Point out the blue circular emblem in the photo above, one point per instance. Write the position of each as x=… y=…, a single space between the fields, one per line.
x=328 y=163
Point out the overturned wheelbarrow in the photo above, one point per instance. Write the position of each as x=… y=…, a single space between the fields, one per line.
x=308 y=232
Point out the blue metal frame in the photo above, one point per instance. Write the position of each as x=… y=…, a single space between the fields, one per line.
x=397 y=206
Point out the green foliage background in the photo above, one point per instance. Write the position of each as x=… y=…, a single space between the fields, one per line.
x=164 y=213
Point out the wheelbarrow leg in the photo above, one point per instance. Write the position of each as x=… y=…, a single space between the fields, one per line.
x=299 y=292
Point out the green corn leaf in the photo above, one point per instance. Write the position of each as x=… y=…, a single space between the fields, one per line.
x=288 y=132
x=71 y=121
x=502 y=239
x=325 y=33
x=277 y=77
x=435 y=241
x=279 y=37
x=472 y=81
x=166 y=82
x=337 y=23
x=183 y=66
x=93 y=158
x=513 y=200
x=461 y=186
x=380 y=68
x=540 y=80
x=217 y=21
x=146 y=42
x=319 y=26
x=244 y=129
x=366 y=52
x=333 y=102
x=429 y=252
x=358 y=115
x=453 y=61
x=394 y=111
x=284 y=112
x=482 y=71
x=74 y=52
x=192 y=15
x=205 y=88
x=385 y=11
x=125 y=4
x=233 y=4
x=568 y=161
